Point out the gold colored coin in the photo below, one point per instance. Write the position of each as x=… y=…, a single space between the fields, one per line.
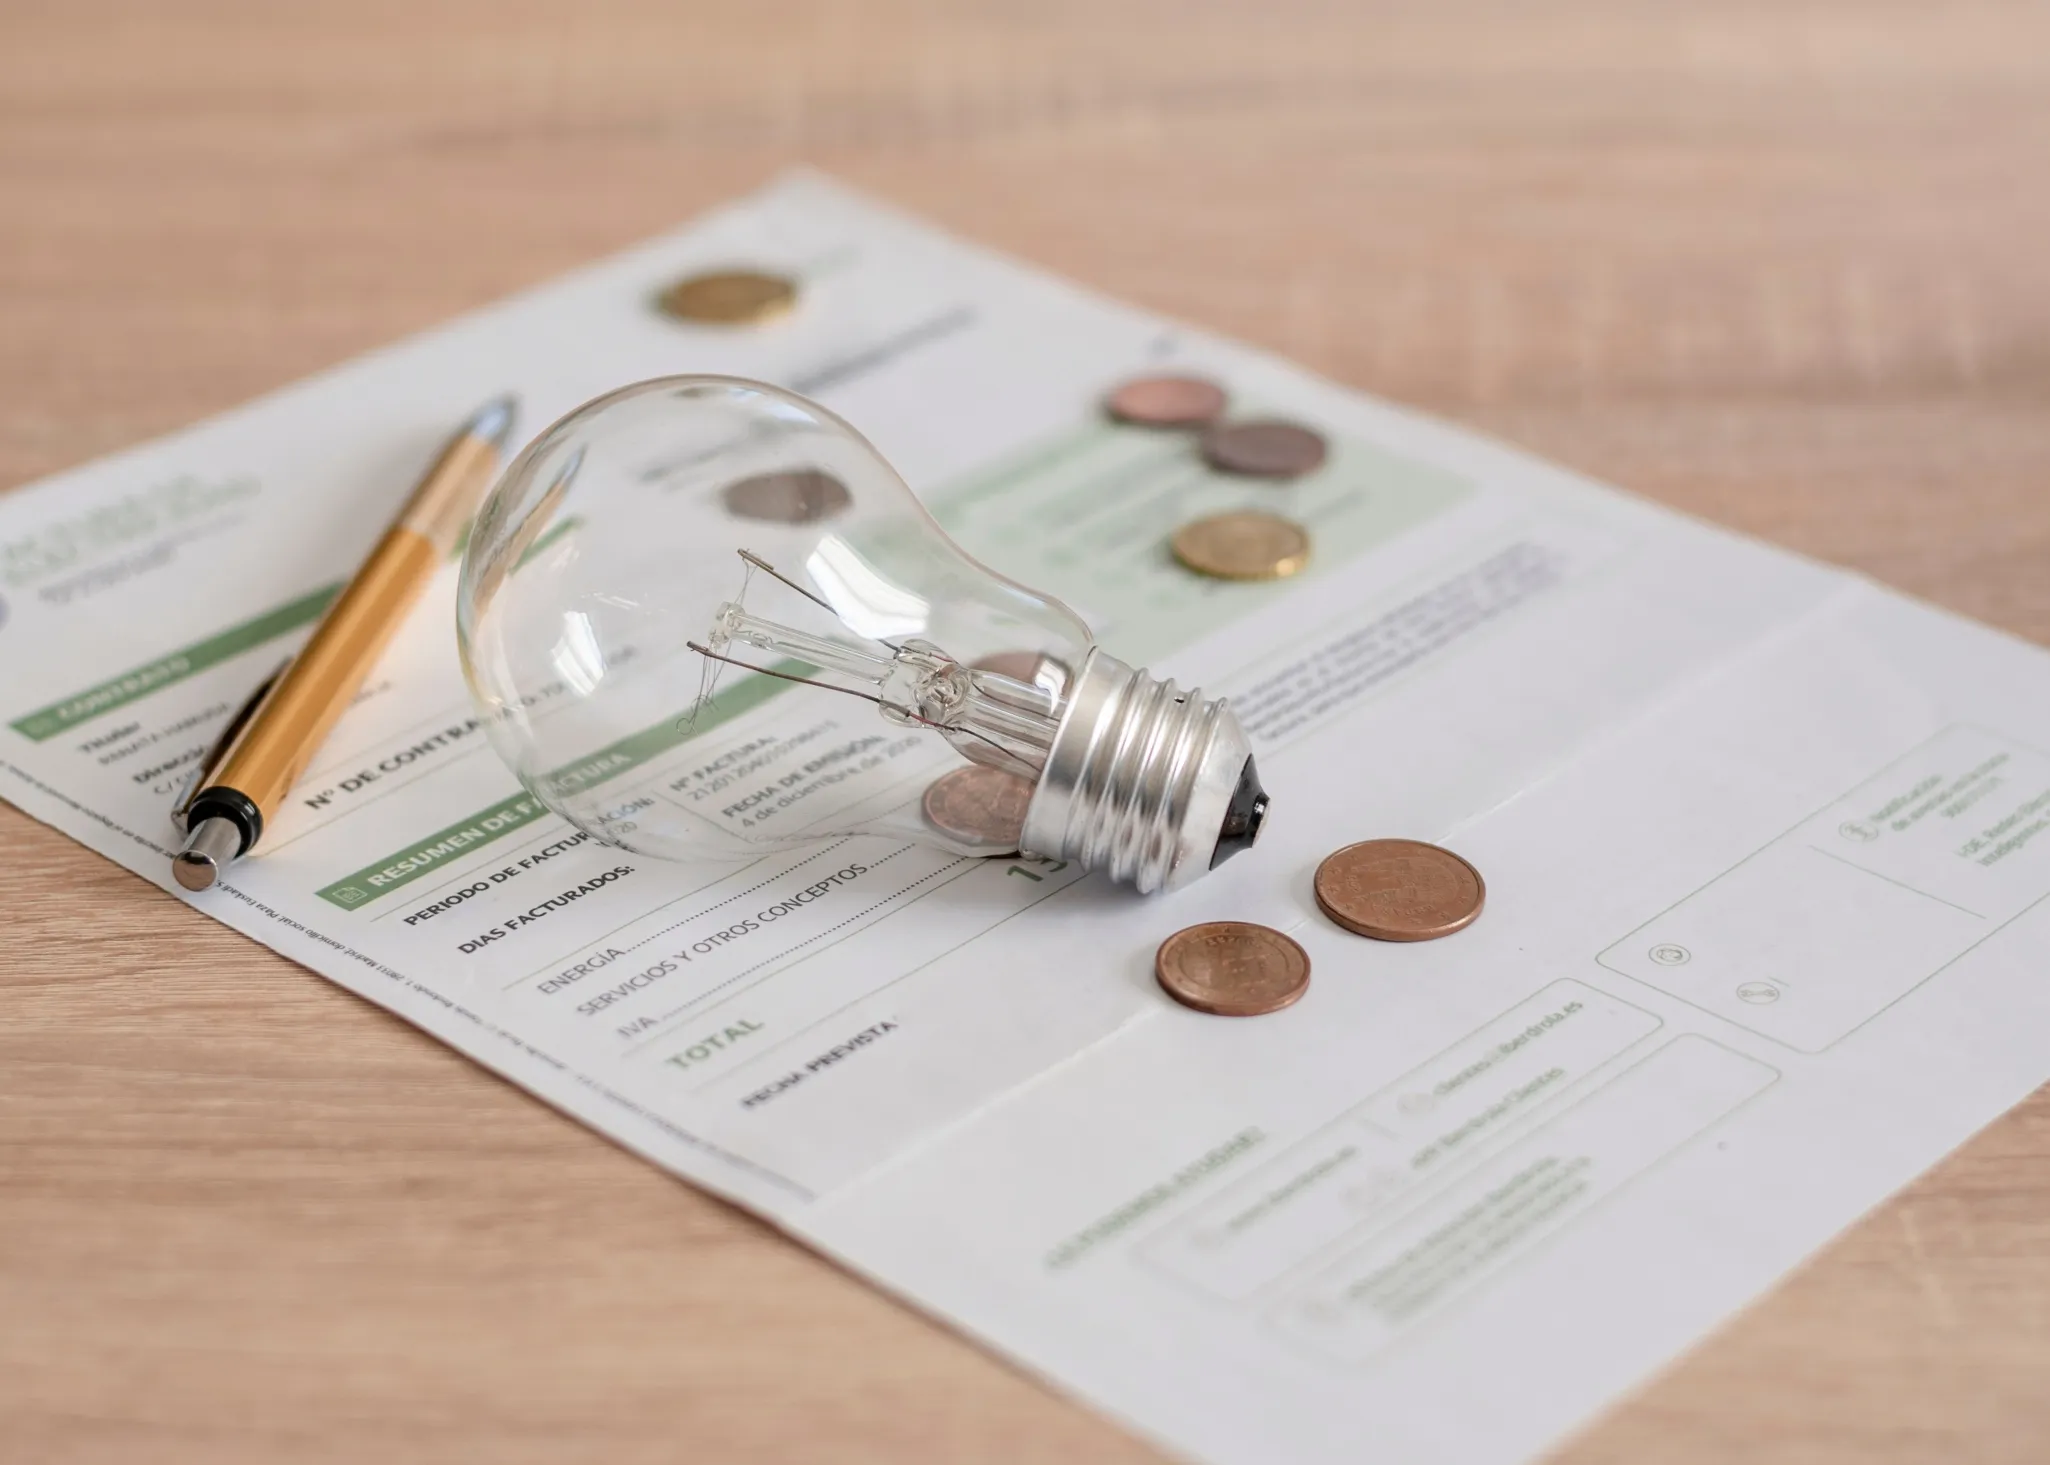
x=729 y=297
x=1246 y=545
x=983 y=808
x=1232 y=968
x=1399 y=890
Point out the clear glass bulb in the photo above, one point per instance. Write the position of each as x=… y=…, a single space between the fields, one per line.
x=705 y=620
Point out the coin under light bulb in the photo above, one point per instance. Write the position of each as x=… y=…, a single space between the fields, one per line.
x=703 y=619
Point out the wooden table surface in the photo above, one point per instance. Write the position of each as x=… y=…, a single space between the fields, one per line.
x=1781 y=263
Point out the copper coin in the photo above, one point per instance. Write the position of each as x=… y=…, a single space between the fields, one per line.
x=1232 y=968
x=1399 y=890
x=799 y=496
x=1247 y=545
x=1019 y=666
x=1264 y=449
x=978 y=806
x=1166 y=401
x=729 y=297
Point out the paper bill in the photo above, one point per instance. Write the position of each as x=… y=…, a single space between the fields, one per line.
x=1767 y=849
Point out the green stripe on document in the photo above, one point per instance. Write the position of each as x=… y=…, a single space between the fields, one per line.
x=173 y=667
x=509 y=815
x=436 y=850
x=951 y=499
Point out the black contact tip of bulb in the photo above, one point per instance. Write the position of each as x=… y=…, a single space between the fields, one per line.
x=1242 y=817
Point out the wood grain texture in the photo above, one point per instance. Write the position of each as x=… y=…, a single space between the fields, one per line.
x=1778 y=264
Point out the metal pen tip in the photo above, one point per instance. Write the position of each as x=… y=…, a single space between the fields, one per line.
x=495 y=421
x=211 y=844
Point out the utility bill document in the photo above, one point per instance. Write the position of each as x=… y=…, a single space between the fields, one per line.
x=1767 y=851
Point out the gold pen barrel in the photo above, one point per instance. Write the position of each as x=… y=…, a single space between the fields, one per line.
x=311 y=694
x=256 y=770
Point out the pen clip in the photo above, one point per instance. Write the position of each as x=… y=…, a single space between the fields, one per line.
x=203 y=773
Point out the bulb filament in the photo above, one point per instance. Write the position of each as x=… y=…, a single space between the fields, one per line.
x=989 y=717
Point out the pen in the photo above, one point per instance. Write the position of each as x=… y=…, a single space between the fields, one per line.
x=269 y=743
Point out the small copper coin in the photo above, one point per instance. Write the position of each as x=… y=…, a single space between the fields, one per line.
x=1019 y=666
x=1399 y=890
x=729 y=297
x=799 y=496
x=1232 y=968
x=978 y=806
x=1166 y=401
x=1264 y=449
x=1246 y=545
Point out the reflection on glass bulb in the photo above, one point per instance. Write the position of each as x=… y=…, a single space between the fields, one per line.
x=576 y=657
x=678 y=599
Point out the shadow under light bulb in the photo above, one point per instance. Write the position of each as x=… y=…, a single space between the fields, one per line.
x=703 y=619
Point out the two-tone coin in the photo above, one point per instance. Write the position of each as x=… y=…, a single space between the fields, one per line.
x=729 y=297
x=796 y=496
x=1244 y=545
x=1399 y=890
x=1232 y=968
x=1166 y=401
x=1264 y=448
x=982 y=808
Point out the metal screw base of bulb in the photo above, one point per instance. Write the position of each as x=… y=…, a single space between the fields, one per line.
x=1151 y=785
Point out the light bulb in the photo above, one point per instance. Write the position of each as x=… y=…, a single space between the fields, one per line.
x=703 y=619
